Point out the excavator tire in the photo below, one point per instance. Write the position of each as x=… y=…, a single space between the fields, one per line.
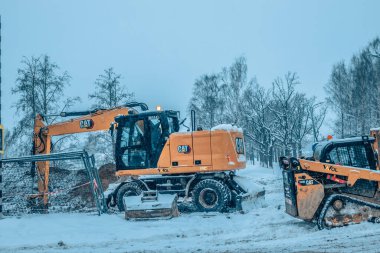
x=210 y=195
x=127 y=189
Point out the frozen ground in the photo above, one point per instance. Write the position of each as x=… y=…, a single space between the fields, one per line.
x=266 y=229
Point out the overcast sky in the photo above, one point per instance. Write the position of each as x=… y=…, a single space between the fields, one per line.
x=161 y=47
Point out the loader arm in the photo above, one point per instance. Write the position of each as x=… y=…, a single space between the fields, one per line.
x=97 y=120
x=352 y=173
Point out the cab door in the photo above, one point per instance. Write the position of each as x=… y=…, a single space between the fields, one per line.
x=131 y=152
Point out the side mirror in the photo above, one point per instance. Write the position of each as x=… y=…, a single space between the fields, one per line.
x=182 y=124
x=182 y=121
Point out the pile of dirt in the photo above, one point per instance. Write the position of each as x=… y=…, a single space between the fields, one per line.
x=70 y=190
x=107 y=175
x=83 y=190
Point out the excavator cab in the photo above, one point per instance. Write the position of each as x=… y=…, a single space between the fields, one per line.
x=141 y=137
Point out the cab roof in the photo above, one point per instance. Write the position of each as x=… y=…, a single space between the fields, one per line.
x=322 y=148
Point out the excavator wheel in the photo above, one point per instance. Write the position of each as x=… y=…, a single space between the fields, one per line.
x=127 y=189
x=210 y=195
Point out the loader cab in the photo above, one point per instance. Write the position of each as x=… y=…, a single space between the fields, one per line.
x=141 y=137
x=355 y=152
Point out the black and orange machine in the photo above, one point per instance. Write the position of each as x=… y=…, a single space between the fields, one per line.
x=153 y=157
x=338 y=185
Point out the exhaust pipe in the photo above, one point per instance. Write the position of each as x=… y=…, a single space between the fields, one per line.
x=192 y=120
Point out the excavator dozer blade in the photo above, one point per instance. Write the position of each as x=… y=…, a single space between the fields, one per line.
x=252 y=196
x=151 y=205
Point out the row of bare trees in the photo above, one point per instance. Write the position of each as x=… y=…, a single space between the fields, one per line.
x=41 y=86
x=276 y=121
x=354 y=91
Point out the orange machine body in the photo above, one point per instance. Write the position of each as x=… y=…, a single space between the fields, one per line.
x=183 y=152
x=206 y=151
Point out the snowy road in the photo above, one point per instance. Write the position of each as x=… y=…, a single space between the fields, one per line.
x=266 y=229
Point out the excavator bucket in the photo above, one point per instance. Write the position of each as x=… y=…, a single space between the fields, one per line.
x=252 y=196
x=151 y=205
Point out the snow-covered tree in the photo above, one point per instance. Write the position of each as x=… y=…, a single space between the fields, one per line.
x=40 y=89
x=207 y=100
x=109 y=92
x=234 y=82
x=275 y=121
x=354 y=91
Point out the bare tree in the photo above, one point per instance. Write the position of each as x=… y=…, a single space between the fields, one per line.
x=109 y=92
x=302 y=119
x=207 y=100
x=258 y=121
x=27 y=83
x=354 y=89
x=284 y=96
x=374 y=48
x=275 y=121
x=40 y=89
x=234 y=82
x=317 y=111
x=340 y=93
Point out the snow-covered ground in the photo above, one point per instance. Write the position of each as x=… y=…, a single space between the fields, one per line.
x=266 y=229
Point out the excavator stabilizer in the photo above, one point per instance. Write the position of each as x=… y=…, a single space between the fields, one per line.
x=151 y=205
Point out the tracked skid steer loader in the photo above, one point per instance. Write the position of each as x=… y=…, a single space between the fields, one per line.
x=338 y=185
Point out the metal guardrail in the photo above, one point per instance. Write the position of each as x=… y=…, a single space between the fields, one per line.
x=89 y=164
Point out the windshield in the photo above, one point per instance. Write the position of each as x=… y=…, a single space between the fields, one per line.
x=354 y=155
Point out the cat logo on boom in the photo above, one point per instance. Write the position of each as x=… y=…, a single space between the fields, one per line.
x=86 y=123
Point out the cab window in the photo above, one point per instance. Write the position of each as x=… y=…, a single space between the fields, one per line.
x=354 y=156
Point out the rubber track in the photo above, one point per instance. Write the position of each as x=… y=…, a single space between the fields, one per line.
x=333 y=197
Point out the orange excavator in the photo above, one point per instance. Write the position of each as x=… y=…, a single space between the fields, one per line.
x=339 y=185
x=153 y=158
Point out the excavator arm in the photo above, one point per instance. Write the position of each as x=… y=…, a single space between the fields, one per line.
x=88 y=121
